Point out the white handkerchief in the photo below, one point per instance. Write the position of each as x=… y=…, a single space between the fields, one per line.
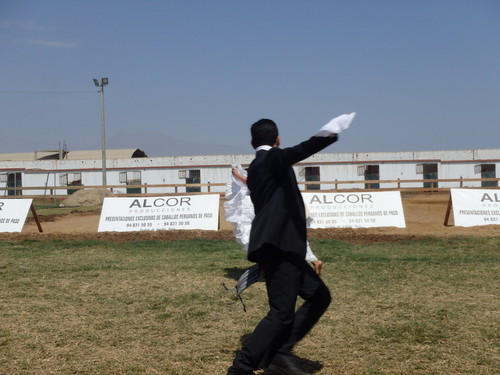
x=336 y=125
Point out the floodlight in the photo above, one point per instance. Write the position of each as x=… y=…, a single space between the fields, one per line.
x=101 y=84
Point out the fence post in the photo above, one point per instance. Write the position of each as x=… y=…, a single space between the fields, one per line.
x=461 y=182
x=145 y=188
x=209 y=186
x=399 y=183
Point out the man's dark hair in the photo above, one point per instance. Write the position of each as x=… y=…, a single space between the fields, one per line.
x=264 y=132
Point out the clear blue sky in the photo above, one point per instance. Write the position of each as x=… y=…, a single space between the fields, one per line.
x=421 y=74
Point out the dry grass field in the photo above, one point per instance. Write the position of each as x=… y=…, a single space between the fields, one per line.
x=406 y=301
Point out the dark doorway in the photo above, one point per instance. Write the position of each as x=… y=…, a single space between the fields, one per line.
x=14 y=181
x=372 y=172
x=193 y=178
x=488 y=171
x=312 y=174
x=430 y=172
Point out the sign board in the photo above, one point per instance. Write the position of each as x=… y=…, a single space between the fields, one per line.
x=160 y=213
x=472 y=207
x=355 y=210
x=13 y=213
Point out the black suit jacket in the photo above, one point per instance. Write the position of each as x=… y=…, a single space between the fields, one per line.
x=279 y=209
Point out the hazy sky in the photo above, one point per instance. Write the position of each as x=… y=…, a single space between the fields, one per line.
x=421 y=74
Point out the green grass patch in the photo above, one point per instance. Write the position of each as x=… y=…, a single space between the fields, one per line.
x=87 y=307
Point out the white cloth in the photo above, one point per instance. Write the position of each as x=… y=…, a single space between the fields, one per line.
x=310 y=257
x=239 y=208
x=240 y=212
x=336 y=125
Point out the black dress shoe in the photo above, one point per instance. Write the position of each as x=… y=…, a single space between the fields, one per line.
x=285 y=365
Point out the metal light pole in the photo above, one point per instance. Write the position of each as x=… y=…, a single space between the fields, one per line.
x=101 y=84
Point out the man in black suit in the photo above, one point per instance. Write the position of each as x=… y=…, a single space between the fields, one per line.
x=278 y=243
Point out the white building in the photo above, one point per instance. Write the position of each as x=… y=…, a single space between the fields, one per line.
x=47 y=173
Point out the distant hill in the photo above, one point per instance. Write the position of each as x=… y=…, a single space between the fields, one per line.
x=155 y=143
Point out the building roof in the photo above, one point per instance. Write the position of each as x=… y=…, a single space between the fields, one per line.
x=126 y=153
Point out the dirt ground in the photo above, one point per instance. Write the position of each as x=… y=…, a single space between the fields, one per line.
x=424 y=214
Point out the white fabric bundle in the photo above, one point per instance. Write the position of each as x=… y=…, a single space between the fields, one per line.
x=336 y=125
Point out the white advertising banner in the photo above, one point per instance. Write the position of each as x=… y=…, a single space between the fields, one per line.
x=355 y=210
x=160 y=213
x=473 y=207
x=13 y=213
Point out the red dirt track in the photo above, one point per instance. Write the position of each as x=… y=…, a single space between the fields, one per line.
x=424 y=214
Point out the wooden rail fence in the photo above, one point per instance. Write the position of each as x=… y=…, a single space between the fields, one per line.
x=306 y=186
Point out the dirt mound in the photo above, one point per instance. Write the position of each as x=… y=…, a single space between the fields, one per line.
x=87 y=198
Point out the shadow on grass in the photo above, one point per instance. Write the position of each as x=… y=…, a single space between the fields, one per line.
x=304 y=363
x=234 y=272
x=307 y=365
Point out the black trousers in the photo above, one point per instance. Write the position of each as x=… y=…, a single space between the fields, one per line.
x=287 y=277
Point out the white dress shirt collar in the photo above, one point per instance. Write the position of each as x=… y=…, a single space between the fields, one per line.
x=263 y=147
